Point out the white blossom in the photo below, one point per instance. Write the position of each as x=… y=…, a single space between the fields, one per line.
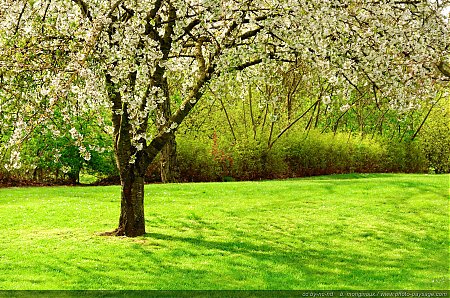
x=83 y=60
x=345 y=108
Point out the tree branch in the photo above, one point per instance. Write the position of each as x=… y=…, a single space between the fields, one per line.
x=250 y=34
x=187 y=30
x=246 y=64
x=292 y=123
x=187 y=105
x=84 y=9
x=444 y=68
x=20 y=17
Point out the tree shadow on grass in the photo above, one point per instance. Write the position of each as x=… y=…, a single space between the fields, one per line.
x=320 y=267
x=244 y=262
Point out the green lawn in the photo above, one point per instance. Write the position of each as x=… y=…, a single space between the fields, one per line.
x=332 y=232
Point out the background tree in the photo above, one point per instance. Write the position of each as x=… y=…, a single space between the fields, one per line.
x=118 y=55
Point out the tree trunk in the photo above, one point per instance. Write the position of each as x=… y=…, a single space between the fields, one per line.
x=132 y=221
x=168 y=160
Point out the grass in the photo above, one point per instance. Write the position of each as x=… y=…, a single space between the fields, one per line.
x=331 y=232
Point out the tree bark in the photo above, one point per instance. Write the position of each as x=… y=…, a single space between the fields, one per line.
x=444 y=68
x=132 y=220
x=168 y=160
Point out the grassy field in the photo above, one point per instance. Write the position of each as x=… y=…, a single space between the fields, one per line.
x=331 y=232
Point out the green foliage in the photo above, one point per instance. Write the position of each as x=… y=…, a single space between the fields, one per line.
x=195 y=161
x=320 y=154
x=435 y=138
x=405 y=157
x=102 y=163
x=253 y=161
x=249 y=116
x=296 y=155
x=48 y=158
x=354 y=231
x=229 y=134
x=227 y=137
x=52 y=154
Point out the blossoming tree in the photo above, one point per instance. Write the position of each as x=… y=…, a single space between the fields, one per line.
x=67 y=55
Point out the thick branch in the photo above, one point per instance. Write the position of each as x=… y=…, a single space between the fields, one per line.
x=114 y=7
x=187 y=30
x=444 y=68
x=165 y=132
x=84 y=9
x=20 y=17
x=188 y=104
x=151 y=29
x=250 y=34
x=247 y=64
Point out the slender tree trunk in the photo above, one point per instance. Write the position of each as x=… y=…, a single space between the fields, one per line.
x=169 y=160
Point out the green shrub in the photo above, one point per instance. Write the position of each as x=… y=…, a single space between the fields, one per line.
x=368 y=155
x=322 y=154
x=214 y=160
x=49 y=158
x=435 y=138
x=253 y=161
x=298 y=154
x=195 y=161
x=405 y=157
